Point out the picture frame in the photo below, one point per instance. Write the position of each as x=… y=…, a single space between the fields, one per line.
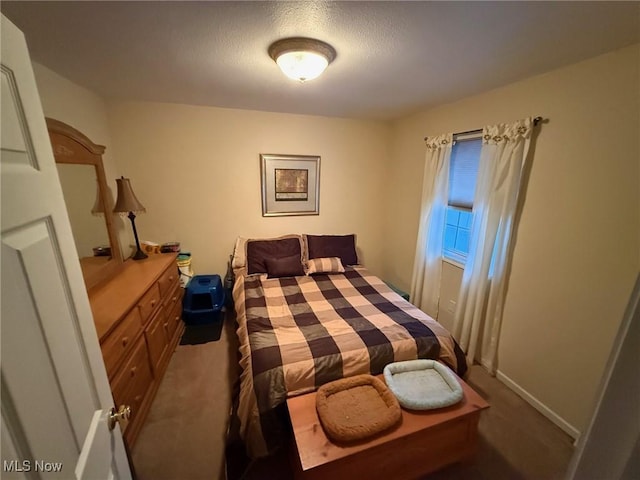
x=290 y=185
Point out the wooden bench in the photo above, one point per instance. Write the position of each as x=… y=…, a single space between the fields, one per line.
x=425 y=441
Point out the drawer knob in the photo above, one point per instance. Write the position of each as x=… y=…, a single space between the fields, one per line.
x=133 y=371
x=121 y=416
x=125 y=341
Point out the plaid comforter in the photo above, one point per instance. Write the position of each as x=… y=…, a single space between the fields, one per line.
x=301 y=332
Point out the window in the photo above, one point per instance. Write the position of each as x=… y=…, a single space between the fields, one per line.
x=456 y=234
x=463 y=174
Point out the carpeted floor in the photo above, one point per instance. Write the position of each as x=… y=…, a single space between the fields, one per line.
x=184 y=435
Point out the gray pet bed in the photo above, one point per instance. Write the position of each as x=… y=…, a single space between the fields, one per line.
x=422 y=384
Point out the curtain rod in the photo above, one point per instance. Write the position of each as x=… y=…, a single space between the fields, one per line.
x=536 y=121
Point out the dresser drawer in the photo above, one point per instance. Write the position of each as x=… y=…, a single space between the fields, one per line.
x=120 y=341
x=157 y=339
x=174 y=318
x=168 y=280
x=149 y=302
x=133 y=381
x=174 y=297
x=173 y=309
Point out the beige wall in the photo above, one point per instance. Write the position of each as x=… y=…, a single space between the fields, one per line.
x=577 y=248
x=85 y=111
x=197 y=171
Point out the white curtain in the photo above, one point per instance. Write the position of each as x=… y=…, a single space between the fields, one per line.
x=427 y=267
x=478 y=314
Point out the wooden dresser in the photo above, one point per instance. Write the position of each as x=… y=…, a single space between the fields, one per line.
x=138 y=319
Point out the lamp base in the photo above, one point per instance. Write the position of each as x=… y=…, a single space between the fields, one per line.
x=139 y=255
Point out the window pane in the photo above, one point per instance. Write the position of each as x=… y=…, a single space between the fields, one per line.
x=453 y=216
x=465 y=219
x=449 y=237
x=462 y=240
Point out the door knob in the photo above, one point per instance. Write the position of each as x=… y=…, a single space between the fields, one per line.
x=121 y=417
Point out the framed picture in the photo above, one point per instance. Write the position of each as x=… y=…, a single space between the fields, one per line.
x=290 y=185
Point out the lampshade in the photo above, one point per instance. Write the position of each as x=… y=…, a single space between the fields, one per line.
x=127 y=201
x=302 y=58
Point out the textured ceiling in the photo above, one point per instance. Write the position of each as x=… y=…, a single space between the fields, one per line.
x=394 y=58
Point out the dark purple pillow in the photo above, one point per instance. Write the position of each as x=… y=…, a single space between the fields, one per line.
x=284 y=266
x=343 y=246
x=259 y=250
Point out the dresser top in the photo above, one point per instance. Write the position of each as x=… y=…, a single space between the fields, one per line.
x=114 y=299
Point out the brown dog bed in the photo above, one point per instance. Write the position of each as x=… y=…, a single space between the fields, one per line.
x=357 y=407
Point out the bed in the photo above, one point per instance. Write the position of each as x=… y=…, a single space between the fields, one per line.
x=308 y=314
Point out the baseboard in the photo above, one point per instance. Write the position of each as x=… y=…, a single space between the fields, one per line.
x=541 y=407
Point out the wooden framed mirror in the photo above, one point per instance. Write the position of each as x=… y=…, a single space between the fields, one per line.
x=88 y=201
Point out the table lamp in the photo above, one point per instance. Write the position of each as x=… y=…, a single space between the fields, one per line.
x=127 y=202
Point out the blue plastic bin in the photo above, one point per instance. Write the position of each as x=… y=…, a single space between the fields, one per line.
x=203 y=300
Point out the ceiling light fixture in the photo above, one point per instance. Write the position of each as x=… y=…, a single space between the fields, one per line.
x=302 y=58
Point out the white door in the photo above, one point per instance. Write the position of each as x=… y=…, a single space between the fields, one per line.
x=55 y=393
